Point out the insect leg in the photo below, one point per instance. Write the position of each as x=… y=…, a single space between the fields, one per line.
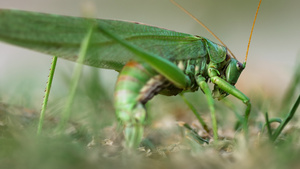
x=225 y=86
x=204 y=87
x=136 y=84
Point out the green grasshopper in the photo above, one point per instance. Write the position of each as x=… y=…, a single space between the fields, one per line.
x=150 y=60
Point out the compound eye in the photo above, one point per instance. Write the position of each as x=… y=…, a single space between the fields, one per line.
x=239 y=66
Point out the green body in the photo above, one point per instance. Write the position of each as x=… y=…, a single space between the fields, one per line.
x=150 y=60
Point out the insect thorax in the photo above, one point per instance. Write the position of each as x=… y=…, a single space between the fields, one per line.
x=192 y=68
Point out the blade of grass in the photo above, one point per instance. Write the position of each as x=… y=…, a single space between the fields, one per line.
x=268 y=125
x=287 y=119
x=232 y=106
x=290 y=93
x=46 y=96
x=66 y=113
x=198 y=116
x=272 y=120
x=193 y=133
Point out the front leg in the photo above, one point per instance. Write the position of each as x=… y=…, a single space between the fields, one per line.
x=230 y=89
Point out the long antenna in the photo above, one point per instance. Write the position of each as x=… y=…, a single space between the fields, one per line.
x=252 y=32
x=202 y=24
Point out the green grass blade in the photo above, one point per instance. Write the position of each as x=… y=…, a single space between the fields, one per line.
x=196 y=113
x=233 y=107
x=66 y=114
x=276 y=119
x=287 y=119
x=47 y=92
x=268 y=125
x=290 y=93
x=194 y=134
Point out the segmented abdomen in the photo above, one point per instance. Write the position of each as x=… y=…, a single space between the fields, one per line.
x=137 y=83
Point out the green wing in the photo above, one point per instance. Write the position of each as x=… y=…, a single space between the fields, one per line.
x=62 y=35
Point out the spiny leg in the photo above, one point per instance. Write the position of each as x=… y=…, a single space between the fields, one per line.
x=204 y=87
x=225 y=86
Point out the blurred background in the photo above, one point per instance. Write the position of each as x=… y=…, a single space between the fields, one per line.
x=272 y=57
